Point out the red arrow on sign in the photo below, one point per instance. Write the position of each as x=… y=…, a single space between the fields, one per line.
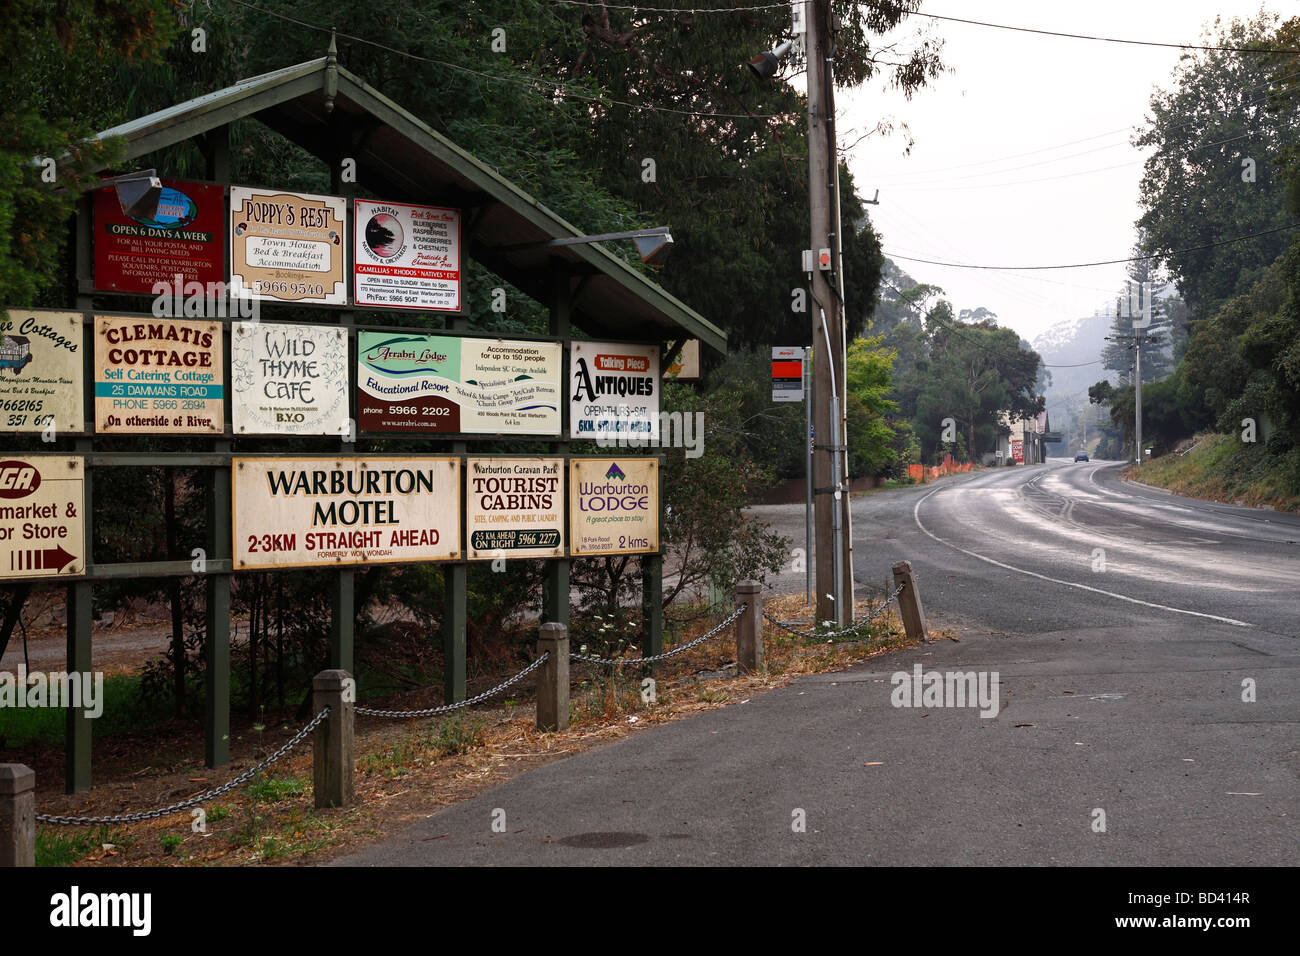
x=41 y=560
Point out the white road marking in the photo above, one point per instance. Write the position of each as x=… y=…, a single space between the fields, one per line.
x=916 y=516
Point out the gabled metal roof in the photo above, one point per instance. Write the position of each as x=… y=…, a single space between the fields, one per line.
x=333 y=113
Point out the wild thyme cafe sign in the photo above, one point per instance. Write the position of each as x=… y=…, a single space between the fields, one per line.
x=289 y=379
x=296 y=512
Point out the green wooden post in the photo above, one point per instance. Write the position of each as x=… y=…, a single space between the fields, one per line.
x=77 y=752
x=652 y=584
x=343 y=618
x=217 y=543
x=453 y=632
x=455 y=576
x=216 y=707
x=343 y=621
x=77 y=749
x=555 y=585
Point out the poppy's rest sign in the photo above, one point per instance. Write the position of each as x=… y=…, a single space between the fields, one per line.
x=297 y=512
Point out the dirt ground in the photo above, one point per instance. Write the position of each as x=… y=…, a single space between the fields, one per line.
x=406 y=769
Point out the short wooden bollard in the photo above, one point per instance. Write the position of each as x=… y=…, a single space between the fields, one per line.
x=909 y=603
x=334 y=748
x=17 y=815
x=553 y=678
x=749 y=627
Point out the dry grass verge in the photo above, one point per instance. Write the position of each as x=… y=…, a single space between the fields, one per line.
x=407 y=770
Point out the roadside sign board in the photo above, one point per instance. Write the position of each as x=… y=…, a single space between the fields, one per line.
x=614 y=391
x=686 y=368
x=406 y=256
x=514 y=507
x=449 y=385
x=300 y=512
x=787 y=374
x=158 y=376
x=1018 y=449
x=289 y=379
x=614 y=505
x=186 y=237
x=287 y=246
x=41 y=378
x=42 y=516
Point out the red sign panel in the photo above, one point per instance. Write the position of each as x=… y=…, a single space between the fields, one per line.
x=1018 y=450
x=788 y=370
x=185 y=237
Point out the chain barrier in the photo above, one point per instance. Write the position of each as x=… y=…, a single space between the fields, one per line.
x=831 y=635
x=448 y=708
x=614 y=661
x=192 y=801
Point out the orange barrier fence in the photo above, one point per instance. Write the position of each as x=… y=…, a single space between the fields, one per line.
x=921 y=473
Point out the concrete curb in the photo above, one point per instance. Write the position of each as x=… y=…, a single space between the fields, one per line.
x=1130 y=481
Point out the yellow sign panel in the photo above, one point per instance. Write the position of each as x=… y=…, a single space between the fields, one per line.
x=514 y=507
x=42 y=517
x=299 y=512
x=158 y=375
x=41 y=380
x=287 y=246
x=614 y=505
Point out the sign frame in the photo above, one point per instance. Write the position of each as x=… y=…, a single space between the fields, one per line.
x=58 y=468
x=655 y=482
x=364 y=256
x=19 y=346
x=457 y=537
x=244 y=278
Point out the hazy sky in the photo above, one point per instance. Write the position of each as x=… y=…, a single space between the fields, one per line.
x=1022 y=155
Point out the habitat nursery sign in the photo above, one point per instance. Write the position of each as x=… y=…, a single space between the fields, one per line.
x=158 y=375
x=298 y=512
x=406 y=256
x=614 y=392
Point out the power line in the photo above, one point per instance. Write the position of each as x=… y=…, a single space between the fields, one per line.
x=1108 y=262
x=552 y=86
x=1085 y=36
x=933 y=16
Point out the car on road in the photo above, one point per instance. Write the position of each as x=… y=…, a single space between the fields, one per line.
x=1082 y=456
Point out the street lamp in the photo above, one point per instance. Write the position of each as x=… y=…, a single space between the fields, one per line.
x=653 y=245
x=764 y=66
x=138 y=193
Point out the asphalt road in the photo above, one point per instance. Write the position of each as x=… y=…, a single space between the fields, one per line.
x=1119 y=703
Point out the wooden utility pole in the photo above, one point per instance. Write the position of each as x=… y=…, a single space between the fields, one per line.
x=834 y=554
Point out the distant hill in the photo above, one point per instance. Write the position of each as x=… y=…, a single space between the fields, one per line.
x=1073 y=342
